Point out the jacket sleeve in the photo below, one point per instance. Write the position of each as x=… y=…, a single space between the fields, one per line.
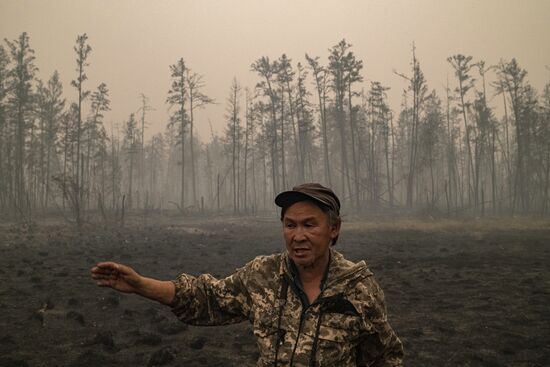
x=380 y=346
x=205 y=300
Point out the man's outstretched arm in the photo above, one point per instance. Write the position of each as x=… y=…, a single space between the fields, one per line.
x=202 y=300
x=125 y=279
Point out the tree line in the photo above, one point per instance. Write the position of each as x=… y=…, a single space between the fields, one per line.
x=311 y=120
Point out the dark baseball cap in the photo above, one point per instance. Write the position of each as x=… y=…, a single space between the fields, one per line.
x=309 y=191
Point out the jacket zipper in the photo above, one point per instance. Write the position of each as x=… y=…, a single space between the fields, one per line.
x=298 y=336
x=304 y=310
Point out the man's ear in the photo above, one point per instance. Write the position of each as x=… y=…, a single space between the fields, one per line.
x=335 y=229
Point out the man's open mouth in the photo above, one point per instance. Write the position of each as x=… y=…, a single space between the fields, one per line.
x=301 y=251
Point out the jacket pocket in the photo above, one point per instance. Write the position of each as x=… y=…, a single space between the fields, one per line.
x=266 y=332
x=337 y=340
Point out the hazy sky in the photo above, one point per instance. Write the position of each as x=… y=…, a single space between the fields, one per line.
x=134 y=42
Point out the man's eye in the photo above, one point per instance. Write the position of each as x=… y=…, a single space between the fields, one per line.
x=290 y=225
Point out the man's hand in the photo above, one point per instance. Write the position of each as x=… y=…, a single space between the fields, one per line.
x=125 y=279
x=117 y=276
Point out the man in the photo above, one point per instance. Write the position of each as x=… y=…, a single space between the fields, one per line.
x=309 y=306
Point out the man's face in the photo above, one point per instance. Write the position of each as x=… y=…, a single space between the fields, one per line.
x=308 y=234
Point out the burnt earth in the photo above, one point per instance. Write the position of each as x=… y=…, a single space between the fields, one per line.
x=456 y=297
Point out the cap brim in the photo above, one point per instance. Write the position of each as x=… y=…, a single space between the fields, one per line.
x=287 y=198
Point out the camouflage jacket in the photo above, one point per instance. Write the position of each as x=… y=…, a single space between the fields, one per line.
x=346 y=326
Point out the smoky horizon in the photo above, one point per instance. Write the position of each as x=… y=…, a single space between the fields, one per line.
x=211 y=106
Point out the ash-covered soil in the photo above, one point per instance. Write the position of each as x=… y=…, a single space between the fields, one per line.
x=456 y=296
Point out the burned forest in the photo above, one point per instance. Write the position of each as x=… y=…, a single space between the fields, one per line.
x=308 y=120
x=441 y=165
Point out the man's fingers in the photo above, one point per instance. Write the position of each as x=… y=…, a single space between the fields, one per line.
x=108 y=265
x=104 y=276
x=97 y=270
x=111 y=268
x=114 y=275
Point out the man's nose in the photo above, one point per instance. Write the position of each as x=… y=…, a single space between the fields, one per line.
x=299 y=234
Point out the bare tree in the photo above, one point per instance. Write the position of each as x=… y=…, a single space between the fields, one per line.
x=197 y=100
x=131 y=147
x=417 y=85
x=144 y=108
x=82 y=50
x=285 y=77
x=233 y=133
x=512 y=80
x=321 y=78
x=461 y=65
x=5 y=136
x=268 y=70
x=177 y=96
x=304 y=118
x=51 y=105
x=21 y=77
x=353 y=68
x=337 y=68
x=96 y=135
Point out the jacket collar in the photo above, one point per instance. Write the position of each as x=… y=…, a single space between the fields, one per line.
x=340 y=271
